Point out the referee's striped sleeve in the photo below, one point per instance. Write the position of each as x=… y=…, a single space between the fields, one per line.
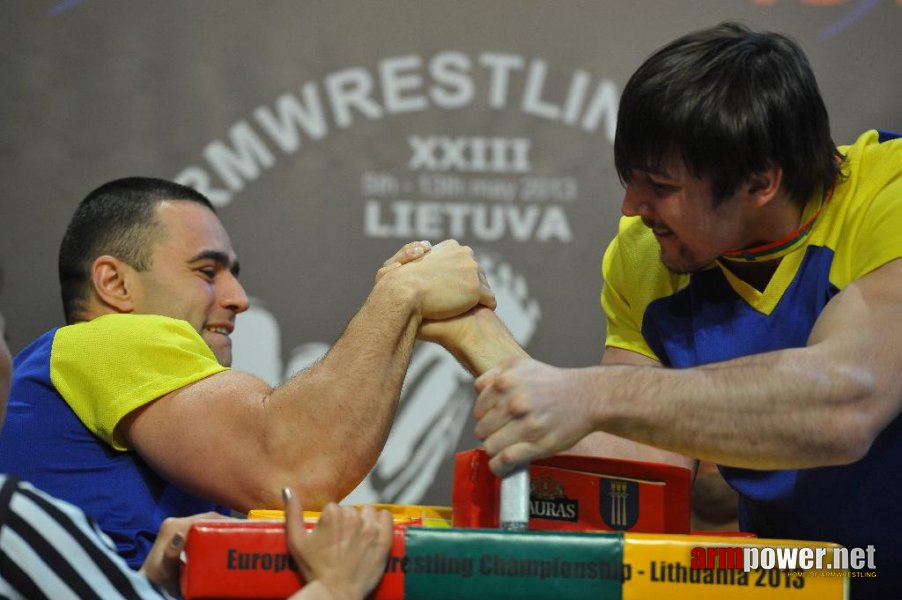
x=51 y=549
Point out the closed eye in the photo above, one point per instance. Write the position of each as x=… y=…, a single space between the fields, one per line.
x=663 y=188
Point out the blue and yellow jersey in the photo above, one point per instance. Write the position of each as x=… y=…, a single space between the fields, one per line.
x=70 y=389
x=108 y=367
x=711 y=316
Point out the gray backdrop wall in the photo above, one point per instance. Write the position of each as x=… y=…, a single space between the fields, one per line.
x=330 y=133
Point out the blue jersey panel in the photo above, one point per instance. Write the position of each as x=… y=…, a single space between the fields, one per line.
x=45 y=443
x=709 y=322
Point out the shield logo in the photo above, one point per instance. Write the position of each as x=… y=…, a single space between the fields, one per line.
x=546 y=488
x=619 y=503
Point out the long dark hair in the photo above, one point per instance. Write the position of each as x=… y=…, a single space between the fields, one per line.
x=730 y=102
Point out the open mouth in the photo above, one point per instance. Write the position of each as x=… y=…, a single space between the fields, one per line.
x=660 y=230
x=220 y=330
x=657 y=228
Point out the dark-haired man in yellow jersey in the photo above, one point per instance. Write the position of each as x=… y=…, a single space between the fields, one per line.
x=760 y=265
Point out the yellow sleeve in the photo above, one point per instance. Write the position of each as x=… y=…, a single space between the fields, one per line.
x=867 y=205
x=108 y=367
x=878 y=240
x=623 y=317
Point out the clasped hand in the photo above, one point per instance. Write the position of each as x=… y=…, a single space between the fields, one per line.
x=528 y=410
x=450 y=283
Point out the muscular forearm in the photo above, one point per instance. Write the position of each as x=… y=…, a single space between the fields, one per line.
x=817 y=405
x=322 y=431
x=604 y=444
x=789 y=409
x=341 y=409
x=233 y=439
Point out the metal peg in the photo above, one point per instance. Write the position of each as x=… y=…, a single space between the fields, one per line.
x=514 y=505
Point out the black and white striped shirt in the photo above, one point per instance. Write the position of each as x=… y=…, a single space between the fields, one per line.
x=51 y=549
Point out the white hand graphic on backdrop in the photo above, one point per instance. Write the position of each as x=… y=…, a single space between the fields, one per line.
x=436 y=398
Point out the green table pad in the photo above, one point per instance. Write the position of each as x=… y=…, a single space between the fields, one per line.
x=489 y=563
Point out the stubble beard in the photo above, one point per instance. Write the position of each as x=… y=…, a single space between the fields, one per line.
x=686 y=264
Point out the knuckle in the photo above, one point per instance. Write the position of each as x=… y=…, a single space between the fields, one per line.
x=168 y=525
x=505 y=381
x=532 y=428
x=518 y=405
x=508 y=455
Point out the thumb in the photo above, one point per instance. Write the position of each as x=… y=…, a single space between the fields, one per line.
x=294 y=517
x=170 y=564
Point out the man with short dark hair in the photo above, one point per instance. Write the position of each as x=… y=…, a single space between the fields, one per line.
x=760 y=263
x=51 y=549
x=130 y=411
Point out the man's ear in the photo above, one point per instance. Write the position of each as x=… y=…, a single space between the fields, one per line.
x=113 y=282
x=764 y=186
